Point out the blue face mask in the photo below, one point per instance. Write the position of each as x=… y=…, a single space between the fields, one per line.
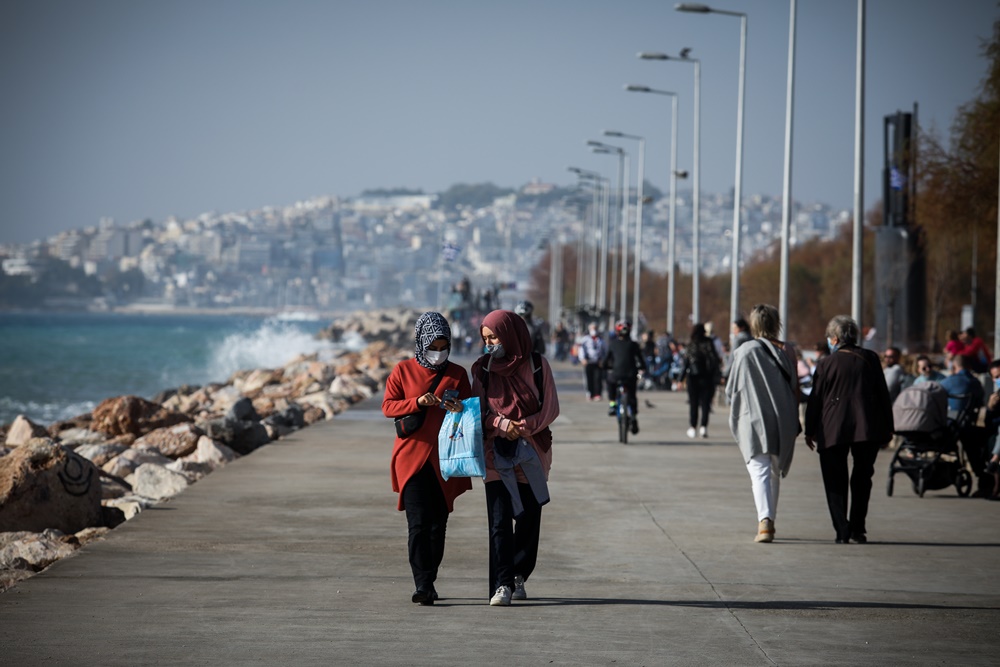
x=829 y=344
x=496 y=351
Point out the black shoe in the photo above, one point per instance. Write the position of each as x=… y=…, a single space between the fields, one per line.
x=841 y=540
x=859 y=538
x=612 y=409
x=423 y=597
x=635 y=426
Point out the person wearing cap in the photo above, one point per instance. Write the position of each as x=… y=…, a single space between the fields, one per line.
x=525 y=309
x=624 y=361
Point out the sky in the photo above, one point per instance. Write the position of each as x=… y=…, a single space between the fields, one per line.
x=134 y=109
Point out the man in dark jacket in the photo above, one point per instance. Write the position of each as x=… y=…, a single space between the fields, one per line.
x=849 y=411
x=624 y=360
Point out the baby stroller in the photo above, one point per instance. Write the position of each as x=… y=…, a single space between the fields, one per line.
x=931 y=453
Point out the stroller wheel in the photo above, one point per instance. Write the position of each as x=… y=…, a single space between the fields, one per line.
x=963 y=483
x=920 y=485
x=888 y=487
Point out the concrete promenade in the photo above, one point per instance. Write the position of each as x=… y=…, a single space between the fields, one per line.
x=296 y=555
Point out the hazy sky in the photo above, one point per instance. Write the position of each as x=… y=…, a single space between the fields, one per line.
x=135 y=108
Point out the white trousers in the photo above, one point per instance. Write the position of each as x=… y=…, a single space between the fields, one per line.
x=765 y=478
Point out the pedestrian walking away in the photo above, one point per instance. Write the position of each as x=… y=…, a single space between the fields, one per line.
x=701 y=373
x=849 y=412
x=593 y=350
x=519 y=402
x=414 y=394
x=764 y=418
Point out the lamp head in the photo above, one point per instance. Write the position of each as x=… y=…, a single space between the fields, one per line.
x=649 y=55
x=692 y=7
x=613 y=133
x=638 y=89
x=681 y=173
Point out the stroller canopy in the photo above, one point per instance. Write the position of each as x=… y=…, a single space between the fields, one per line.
x=921 y=408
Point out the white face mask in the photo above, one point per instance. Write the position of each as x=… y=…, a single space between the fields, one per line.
x=436 y=357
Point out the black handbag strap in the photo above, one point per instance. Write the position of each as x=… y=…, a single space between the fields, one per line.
x=437 y=380
x=770 y=352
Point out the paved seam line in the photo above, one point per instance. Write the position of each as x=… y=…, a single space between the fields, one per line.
x=711 y=585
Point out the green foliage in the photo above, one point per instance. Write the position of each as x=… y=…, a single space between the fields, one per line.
x=57 y=279
x=391 y=192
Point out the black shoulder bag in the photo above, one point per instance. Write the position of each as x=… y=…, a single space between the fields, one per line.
x=409 y=424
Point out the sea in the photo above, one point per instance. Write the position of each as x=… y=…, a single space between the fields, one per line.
x=58 y=365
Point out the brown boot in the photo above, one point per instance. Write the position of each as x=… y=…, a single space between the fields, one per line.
x=765 y=531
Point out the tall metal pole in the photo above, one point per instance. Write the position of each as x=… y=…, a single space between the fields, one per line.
x=859 y=169
x=734 y=298
x=786 y=196
x=695 y=247
x=623 y=252
x=555 y=279
x=611 y=239
x=637 y=273
x=602 y=256
x=672 y=228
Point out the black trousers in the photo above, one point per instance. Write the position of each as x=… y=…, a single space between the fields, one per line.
x=513 y=545
x=595 y=376
x=426 y=518
x=701 y=391
x=630 y=386
x=836 y=481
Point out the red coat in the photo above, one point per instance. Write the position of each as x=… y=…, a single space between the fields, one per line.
x=408 y=382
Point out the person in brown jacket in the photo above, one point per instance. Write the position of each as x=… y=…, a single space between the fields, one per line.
x=849 y=411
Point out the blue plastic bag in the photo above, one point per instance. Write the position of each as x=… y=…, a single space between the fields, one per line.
x=460 y=442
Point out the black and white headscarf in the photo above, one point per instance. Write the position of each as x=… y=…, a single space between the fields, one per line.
x=430 y=326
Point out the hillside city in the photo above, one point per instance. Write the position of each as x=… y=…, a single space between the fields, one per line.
x=338 y=254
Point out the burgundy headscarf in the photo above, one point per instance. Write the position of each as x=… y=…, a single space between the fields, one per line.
x=507 y=393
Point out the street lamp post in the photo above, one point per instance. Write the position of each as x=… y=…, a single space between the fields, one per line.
x=734 y=303
x=599 y=147
x=587 y=262
x=859 y=170
x=637 y=259
x=674 y=175
x=696 y=169
x=786 y=197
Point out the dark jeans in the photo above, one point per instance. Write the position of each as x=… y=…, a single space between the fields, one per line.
x=701 y=391
x=833 y=464
x=595 y=375
x=427 y=518
x=513 y=545
x=633 y=399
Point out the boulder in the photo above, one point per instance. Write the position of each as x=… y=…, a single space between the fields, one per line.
x=88 y=535
x=129 y=505
x=291 y=417
x=172 y=441
x=80 y=421
x=212 y=453
x=131 y=414
x=254 y=381
x=39 y=550
x=114 y=488
x=313 y=414
x=242 y=410
x=76 y=436
x=43 y=485
x=100 y=454
x=242 y=436
x=192 y=470
x=22 y=430
x=126 y=463
x=157 y=482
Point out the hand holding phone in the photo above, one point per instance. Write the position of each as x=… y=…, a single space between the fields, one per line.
x=449 y=397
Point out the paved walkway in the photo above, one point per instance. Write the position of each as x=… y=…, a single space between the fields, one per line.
x=295 y=555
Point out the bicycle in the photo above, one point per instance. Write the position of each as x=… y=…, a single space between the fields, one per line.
x=623 y=410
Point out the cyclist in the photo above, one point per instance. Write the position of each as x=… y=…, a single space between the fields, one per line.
x=624 y=361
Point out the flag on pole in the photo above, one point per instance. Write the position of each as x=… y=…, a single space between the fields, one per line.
x=450 y=251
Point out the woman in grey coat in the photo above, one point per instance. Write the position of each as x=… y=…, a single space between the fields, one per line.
x=764 y=416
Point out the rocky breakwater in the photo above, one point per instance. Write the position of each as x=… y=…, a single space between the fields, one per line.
x=74 y=480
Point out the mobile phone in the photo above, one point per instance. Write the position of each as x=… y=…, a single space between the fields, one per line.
x=449 y=395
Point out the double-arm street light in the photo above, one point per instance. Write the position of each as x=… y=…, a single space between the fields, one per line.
x=734 y=307
x=696 y=169
x=671 y=259
x=599 y=147
x=638 y=231
x=585 y=258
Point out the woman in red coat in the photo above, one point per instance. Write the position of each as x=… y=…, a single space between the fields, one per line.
x=414 y=385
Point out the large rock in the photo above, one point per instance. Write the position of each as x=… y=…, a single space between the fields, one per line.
x=23 y=430
x=172 y=441
x=241 y=436
x=75 y=437
x=157 y=482
x=43 y=485
x=128 y=461
x=251 y=383
x=212 y=453
x=242 y=410
x=39 y=550
x=131 y=414
x=100 y=454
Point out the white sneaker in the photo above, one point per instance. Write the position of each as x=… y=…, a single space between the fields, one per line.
x=519 y=592
x=501 y=598
x=691 y=432
x=703 y=432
